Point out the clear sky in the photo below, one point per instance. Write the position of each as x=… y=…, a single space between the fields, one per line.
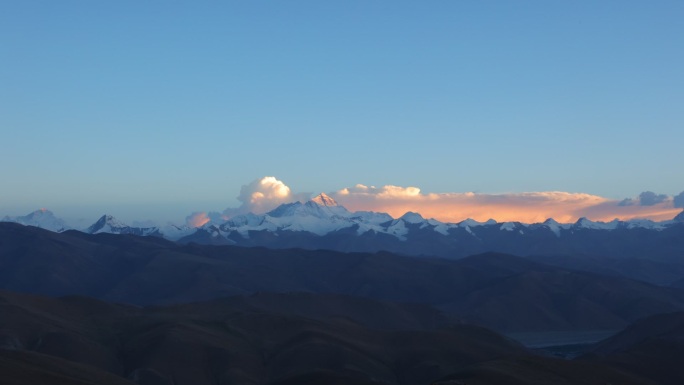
x=159 y=108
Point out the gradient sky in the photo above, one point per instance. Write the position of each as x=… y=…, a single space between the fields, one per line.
x=156 y=109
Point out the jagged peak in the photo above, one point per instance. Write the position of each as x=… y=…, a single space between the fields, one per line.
x=324 y=199
x=105 y=220
x=587 y=223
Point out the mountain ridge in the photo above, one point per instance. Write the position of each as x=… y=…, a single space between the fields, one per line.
x=322 y=223
x=151 y=270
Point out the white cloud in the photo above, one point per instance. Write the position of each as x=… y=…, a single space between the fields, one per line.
x=265 y=194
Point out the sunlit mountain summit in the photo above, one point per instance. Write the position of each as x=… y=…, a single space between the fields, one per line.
x=323 y=199
x=42 y=218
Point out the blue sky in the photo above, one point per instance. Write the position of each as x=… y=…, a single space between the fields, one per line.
x=162 y=108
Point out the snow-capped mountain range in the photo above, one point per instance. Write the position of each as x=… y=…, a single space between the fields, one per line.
x=322 y=223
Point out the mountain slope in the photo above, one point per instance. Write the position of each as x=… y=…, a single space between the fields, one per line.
x=149 y=270
x=641 y=269
x=30 y=368
x=216 y=342
x=195 y=343
x=563 y=300
x=652 y=347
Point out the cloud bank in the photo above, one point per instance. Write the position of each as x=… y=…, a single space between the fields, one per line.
x=265 y=194
x=527 y=207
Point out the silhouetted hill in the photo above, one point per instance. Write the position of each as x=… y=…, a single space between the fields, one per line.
x=258 y=340
x=203 y=342
x=538 y=300
x=641 y=269
x=535 y=370
x=369 y=313
x=652 y=347
x=500 y=265
x=20 y=367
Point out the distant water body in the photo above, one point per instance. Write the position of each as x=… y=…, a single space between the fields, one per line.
x=538 y=340
x=566 y=344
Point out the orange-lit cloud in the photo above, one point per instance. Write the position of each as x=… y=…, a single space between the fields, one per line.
x=524 y=207
x=607 y=211
x=197 y=219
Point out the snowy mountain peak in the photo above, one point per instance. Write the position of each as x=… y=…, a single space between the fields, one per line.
x=106 y=224
x=42 y=218
x=112 y=221
x=508 y=226
x=473 y=223
x=554 y=226
x=411 y=217
x=109 y=224
x=324 y=200
x=585 y=223
x=41 y=212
